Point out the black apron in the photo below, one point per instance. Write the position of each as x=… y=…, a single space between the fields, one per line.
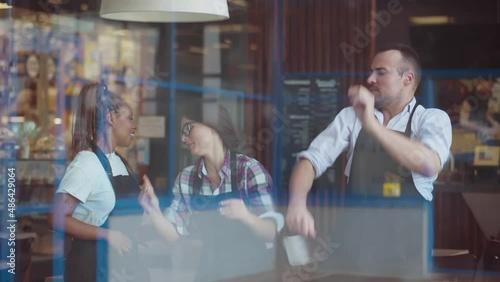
x=377 y=224
x=375 y=173
x=87 y=260
x=230 y=249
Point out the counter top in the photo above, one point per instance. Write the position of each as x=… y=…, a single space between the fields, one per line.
x=467 y=187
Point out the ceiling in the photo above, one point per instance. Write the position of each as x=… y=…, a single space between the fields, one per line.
x=464 y=11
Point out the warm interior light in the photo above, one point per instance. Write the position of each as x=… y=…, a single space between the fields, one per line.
x=165 y=10
x=57 y=121
x=432 y=20
x=18 y=119
x=5 y=6
x=13 y=119
x=196 y=49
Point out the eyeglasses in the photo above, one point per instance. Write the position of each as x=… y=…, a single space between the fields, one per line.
x=186 y=129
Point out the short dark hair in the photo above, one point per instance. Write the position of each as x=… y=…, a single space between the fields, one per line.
x=410 y=58
x=215 y=117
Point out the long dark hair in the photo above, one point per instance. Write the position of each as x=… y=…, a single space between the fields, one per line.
x=94 y=103
x=216 y=117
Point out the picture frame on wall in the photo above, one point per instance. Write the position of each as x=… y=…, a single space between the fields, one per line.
x=487 y=156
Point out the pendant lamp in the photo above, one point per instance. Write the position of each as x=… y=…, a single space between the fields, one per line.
x=165 y=10
x=5 y=5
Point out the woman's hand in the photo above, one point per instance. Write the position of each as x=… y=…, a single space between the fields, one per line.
x=120 y=242
x=235 y=209
x=147 y=198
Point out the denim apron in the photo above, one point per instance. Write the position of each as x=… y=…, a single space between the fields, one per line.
x=87 y=260
x=230 y=248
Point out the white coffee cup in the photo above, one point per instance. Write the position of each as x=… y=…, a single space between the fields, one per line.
x=297 y=250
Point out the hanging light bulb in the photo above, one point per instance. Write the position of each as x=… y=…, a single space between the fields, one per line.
x=165 y=10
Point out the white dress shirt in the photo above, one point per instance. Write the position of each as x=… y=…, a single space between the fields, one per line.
x=431 y=127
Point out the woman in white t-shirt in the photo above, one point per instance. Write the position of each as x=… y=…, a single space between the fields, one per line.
x=91 y=183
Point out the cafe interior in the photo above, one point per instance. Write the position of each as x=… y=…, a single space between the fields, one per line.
x=282 y=69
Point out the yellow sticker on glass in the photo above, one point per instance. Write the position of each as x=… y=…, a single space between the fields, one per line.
x=392 y=189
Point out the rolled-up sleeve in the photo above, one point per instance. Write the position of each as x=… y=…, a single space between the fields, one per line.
x=178 y=213
x=77 y=183
x=332 y=141
x=436 y=133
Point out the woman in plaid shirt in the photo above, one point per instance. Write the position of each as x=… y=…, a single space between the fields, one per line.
x=224 y=200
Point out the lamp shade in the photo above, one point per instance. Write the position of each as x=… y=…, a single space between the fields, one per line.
x=165 y=10
x=5 y=5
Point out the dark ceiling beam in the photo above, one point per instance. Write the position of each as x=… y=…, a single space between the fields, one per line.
x=58 y=6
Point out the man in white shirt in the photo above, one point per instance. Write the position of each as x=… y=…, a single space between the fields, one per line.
x=395 y=147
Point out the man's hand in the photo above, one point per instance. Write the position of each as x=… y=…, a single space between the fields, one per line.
x=363 y=102
x=300 y=220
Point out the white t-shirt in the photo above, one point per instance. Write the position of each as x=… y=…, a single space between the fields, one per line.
x=86 y=180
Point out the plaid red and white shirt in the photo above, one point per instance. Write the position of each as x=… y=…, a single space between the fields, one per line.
x=254 y=183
